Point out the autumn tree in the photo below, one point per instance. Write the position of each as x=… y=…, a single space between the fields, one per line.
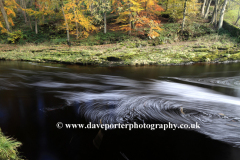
x=127 y=14
x=99 y=11
x=147 y=19
x=73 y=11
x=7 y=12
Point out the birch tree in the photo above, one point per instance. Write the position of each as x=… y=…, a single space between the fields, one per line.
x=36 y=23
x=207 y=9
x=67 y=28
x=203 y=7
x=214 y=14
x=184 y=15
x=222 y=14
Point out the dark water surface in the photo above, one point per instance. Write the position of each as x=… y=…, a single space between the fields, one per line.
x=34 y=97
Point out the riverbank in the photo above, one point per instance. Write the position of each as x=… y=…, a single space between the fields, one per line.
x=211 y=48
x=8 y=148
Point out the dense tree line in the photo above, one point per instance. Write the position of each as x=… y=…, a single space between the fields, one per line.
x=85 y=16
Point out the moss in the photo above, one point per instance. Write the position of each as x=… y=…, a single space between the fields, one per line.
x=233 y=51
x=133 y=52
x=199 y=46
x=210 y=57
x=8 y=148
x=235 y=56
x=197 y=59
x=223 y=59
x=201 y=49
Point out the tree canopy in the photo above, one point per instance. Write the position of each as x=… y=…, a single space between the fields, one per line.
x=81 y=17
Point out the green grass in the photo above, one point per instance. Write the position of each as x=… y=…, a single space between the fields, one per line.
x=8 y=148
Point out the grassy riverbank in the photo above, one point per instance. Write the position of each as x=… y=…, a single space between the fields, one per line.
x=8 y=148
x=207 y=48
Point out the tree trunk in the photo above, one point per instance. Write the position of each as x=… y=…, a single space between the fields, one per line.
x=214 y=14
x=184 y=15
x=130 y=17
x=67 y=29
x=207 y=9
x=237 y=20
x=203 y=7
x=238 y=17
x=36 y=25
x=222 y=14
x=219 y=6
x=76 y=23
x=105 y=22
x=36 y=29
x=23 y=12
x=5 y=16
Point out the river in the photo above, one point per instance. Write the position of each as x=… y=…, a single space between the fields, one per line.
x=34 y=97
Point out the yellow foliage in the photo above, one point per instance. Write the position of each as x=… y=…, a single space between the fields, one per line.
x=3 y=29
x=9 y=7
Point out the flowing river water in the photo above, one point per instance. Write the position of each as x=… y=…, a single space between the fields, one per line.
x=34 y=97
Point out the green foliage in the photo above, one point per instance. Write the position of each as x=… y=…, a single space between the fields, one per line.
x=171 y=32
x=14 y=36
x=223 y=31
x=3 y=38
x=8 y=148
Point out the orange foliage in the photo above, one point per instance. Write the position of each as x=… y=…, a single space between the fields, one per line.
x=142 y=13
x=147 y=21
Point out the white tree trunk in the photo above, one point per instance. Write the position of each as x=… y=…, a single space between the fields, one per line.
x=222 y=14
x=203 y=7
x=36 y=27
x=207 y=9
x=67 y=29
x=214 y=14
x=184 y=15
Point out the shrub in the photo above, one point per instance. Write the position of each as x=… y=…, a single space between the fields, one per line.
x=15 y=36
